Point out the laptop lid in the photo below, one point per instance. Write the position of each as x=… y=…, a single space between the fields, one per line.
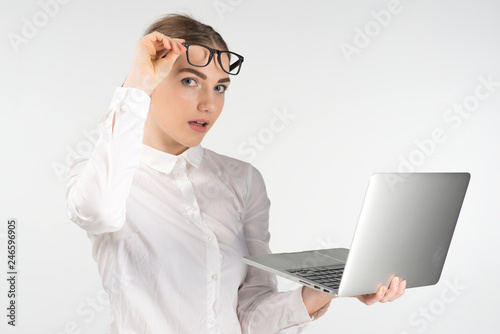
x=404 y=229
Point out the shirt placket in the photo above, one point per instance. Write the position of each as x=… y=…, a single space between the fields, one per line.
x=213 y=254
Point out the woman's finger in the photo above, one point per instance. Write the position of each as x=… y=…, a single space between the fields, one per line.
x=179 y=42
x=401 y=290
x=161 y=43
x=383 y=295
x=372 y=298
x=391 y=291
x=176 y=47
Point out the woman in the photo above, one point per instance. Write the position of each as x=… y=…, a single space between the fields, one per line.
x=169 y=220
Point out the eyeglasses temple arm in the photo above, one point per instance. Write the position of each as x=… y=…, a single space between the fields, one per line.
x=236 y=64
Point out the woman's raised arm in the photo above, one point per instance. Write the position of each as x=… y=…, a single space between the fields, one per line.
x=98 y=186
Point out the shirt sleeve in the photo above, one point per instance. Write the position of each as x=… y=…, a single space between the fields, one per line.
x=98 y=186
x=261 y=308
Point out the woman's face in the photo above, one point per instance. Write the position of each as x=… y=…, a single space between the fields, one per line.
x=185 y=105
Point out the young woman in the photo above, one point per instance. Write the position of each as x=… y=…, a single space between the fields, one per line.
x=169 y=220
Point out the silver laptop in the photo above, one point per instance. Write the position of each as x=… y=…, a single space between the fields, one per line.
x=404 y=229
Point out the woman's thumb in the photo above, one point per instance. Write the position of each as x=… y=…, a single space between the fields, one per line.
x=165 y=64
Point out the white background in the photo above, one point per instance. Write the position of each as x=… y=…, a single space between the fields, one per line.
x=350 y=115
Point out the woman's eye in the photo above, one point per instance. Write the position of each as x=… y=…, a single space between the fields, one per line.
x=220 y=88
x=189 y=81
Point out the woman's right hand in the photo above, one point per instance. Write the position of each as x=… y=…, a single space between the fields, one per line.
x=148 y=68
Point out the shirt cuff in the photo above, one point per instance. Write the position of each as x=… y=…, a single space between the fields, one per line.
x=132 y=100
x=302 y=314
x=129 y=106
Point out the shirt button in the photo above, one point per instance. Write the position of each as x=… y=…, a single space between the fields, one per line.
x=213 y=322
x=211 y=239
x=215 y=277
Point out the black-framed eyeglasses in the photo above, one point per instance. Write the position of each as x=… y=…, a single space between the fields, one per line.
x=200 y=55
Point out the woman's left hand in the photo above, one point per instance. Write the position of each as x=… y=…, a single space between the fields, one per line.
x=314 y=300
x=385 y=294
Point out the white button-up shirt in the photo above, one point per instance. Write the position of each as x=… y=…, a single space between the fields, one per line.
x=168 y=233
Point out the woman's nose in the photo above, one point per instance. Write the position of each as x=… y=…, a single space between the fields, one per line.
x=206 y=102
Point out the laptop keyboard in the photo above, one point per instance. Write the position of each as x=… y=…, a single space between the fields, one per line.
x=329 y=276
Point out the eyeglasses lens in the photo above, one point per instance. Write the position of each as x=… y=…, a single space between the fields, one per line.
x=198 y=55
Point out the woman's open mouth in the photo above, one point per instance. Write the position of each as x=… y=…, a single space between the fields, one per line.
x=199 y=125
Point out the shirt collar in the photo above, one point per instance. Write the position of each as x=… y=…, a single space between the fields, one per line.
x=165 y=162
